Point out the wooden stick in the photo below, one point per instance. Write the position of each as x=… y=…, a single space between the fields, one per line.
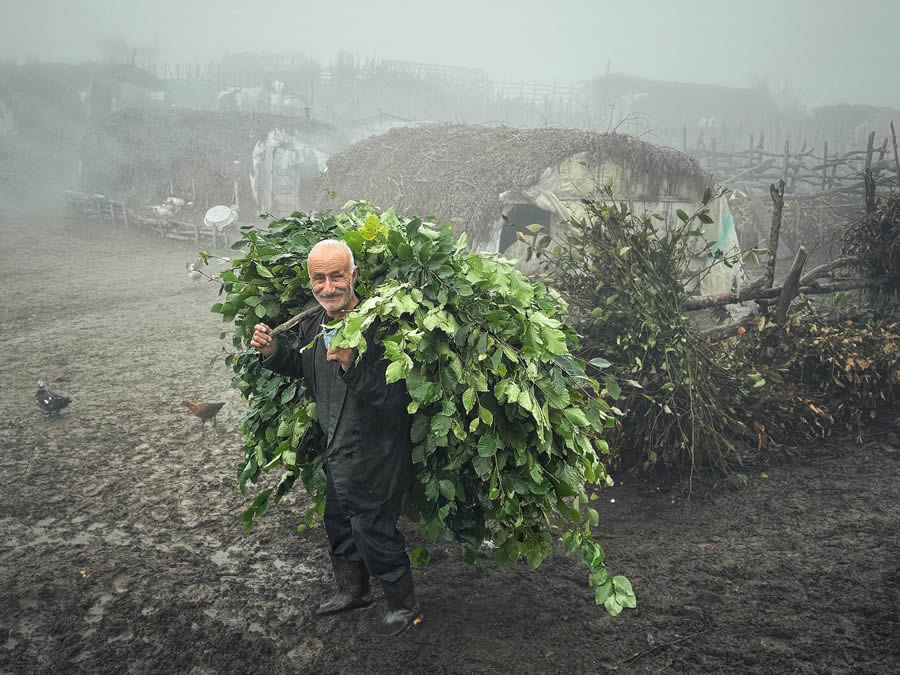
x=789 y=289
x=824 y=193
x=635 y=657
x=896 y=158
x=822 y=270
x=787 y=158
x=796 y=168
x=870 y=149
x=869 y=180
x=729 y=330
x=759 y=167
x=294 y=320
x=777 y=194
x=695 y=303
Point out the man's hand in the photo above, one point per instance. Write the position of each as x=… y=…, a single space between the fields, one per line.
x=343 y=356
x=262 y=341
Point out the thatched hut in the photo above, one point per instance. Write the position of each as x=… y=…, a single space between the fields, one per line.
x=491 y=181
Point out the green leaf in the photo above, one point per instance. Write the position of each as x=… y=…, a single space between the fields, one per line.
x=263 y=271
x=483 y=467
x=440 y=425
x=600 y=363
x=612 y=605
x=577 y=417
x=448 y=489
x=554 y=340
x=534 y=557
x=420 y=556
x=486 y=416
x=395 y=371
x=288 y=394
x=487 y=446
x=468 y=399
x=603 y=591
x=613 y=388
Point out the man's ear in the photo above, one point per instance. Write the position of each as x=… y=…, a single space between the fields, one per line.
x=355 y=274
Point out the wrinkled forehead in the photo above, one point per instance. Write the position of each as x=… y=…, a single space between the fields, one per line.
x=327 y=260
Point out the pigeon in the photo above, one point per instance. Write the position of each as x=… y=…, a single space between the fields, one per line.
x=48 y=401
x=194 y=268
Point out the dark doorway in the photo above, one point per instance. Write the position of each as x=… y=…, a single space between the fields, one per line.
x=519 y=217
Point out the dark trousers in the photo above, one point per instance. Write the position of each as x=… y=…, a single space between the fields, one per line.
x=370 y=536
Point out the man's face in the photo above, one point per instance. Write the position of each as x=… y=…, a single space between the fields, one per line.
x=332 y=279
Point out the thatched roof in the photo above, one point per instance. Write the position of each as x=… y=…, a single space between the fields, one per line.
x=457 y=172
x=133 y=154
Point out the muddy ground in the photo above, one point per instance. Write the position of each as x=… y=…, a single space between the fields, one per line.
x=121 y=551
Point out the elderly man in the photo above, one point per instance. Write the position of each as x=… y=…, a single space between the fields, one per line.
x=368 y=453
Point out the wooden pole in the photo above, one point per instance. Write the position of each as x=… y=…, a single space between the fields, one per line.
x=870 y=149
x=787 y=159
x=796 y=168
x=896 y=158
x=790 y=286
x=777 y=193
x=869 y=180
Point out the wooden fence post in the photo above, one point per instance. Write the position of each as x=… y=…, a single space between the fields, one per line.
x=896 y=157
x=777 y=194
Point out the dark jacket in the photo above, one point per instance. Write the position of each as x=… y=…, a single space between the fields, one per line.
x=365 y=420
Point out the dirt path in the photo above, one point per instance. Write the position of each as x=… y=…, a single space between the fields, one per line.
x=120 y=549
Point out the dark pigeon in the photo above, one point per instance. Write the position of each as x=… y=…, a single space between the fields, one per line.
x=49 y=402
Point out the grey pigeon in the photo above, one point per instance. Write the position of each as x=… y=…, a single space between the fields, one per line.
x=48 y=401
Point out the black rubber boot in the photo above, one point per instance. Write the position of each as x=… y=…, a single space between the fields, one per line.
x=352 y=579
x=402 y=609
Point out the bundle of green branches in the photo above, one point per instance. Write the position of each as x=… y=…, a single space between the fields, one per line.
x=625 y=276
x=507 y=424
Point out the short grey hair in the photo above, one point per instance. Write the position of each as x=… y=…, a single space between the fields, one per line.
x=333 y=243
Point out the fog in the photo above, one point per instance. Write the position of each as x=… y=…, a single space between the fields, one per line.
x=823 y=51
x=695 y=75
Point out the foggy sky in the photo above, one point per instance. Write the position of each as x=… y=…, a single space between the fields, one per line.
x=824 y=51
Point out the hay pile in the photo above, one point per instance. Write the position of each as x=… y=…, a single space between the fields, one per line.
x=456 y=172
x=133 y=155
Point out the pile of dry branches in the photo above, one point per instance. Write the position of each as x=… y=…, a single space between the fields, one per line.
x=875 y=239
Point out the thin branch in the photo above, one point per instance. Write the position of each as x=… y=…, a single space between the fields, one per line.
x=664 y=644
x=822 y=270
